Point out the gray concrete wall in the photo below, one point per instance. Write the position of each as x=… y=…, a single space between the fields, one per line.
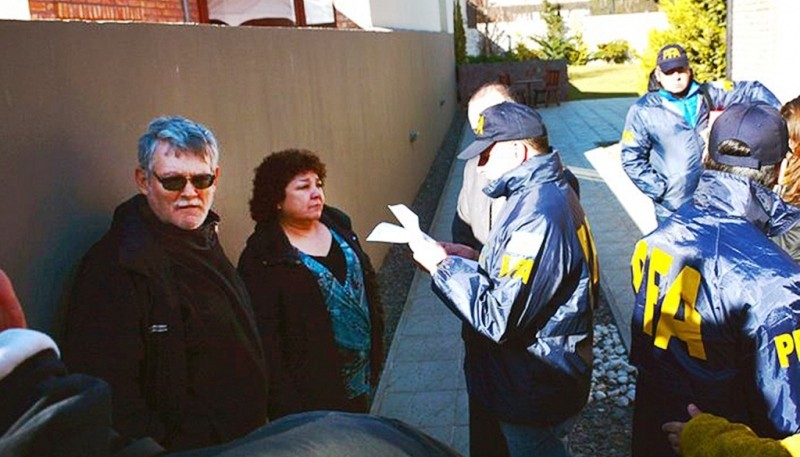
x=75 y=97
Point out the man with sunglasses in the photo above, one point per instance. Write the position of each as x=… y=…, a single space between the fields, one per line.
x=528 y=297
x=663 y=140
x=158 y=311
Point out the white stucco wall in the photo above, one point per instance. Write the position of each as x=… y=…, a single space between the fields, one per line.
x=530 y=2
x=634 y=28
x=15 y=9
x=763 y=36
x=420 y=15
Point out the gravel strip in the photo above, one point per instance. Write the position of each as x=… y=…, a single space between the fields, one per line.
x=604 y=427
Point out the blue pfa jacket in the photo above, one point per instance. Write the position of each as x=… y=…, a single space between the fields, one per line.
x=528 y=299
x=716 y=319
x=662 y=153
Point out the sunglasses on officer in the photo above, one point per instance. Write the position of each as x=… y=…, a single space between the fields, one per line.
x=484 y=157
x=177 y=183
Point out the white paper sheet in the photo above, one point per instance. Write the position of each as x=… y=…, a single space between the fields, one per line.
x=385 y=232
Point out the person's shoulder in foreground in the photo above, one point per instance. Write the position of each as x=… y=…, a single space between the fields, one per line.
x=48 y=412
x=707 y=435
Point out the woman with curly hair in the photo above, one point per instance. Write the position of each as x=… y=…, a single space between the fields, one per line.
x=789 y=180
x=313 y=291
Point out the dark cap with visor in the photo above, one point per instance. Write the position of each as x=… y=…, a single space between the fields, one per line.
x=507 y=121
x=759 y=126
x=672 y=57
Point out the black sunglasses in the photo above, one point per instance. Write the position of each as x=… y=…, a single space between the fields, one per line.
x=484 y=157
x=176 y=183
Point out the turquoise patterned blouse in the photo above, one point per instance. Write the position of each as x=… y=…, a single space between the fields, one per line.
x=349 y=311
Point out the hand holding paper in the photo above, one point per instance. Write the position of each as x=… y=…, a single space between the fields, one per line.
x=427 y=252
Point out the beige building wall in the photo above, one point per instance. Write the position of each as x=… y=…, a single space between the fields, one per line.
x=76 y=96
x=763 y=33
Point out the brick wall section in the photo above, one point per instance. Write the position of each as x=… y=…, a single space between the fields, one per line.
x=113 y=10
x=344 y=22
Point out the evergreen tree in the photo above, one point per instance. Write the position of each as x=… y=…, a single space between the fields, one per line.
x=698 y=26
x=459 y=35
x=556 y=44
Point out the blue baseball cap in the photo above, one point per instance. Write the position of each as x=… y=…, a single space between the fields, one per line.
x=506 y=121
x=759 y=126
x=672 y=56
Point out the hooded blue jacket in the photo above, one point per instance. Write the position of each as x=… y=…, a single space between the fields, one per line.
x=716 y=319
x=662 y=153
x=529 y=299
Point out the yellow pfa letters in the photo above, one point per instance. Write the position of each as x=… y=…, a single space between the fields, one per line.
x=516 y=267
x=681 y=294
x=785 y=344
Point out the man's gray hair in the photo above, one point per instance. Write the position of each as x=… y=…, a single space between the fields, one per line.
x=182 y=134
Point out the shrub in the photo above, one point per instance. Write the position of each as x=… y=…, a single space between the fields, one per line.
x=522 y=52
x=579 y=54
x=698 y=26
x=617 y=51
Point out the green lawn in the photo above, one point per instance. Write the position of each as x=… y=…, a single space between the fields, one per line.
x=604 y=81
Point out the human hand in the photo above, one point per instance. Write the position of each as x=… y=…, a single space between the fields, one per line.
x=674 y=429
x=11 y=314
x=428 y=254
x=460 y=250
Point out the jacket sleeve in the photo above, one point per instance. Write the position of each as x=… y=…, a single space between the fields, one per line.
x=103 y=338
x=461 y=229
x=635 y=153
x=267 y=299
x=775 y=395
x=789 y=241
x=726 y=93
x=711 y=436
x=519 y=284
x=462 y=204
x=48 y=412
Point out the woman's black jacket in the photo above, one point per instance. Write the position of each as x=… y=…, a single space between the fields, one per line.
x=302 y=358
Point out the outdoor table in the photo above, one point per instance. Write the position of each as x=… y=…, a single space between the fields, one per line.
x=531 y=85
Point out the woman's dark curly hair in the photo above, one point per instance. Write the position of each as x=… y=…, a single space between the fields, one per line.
x=274 y=174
